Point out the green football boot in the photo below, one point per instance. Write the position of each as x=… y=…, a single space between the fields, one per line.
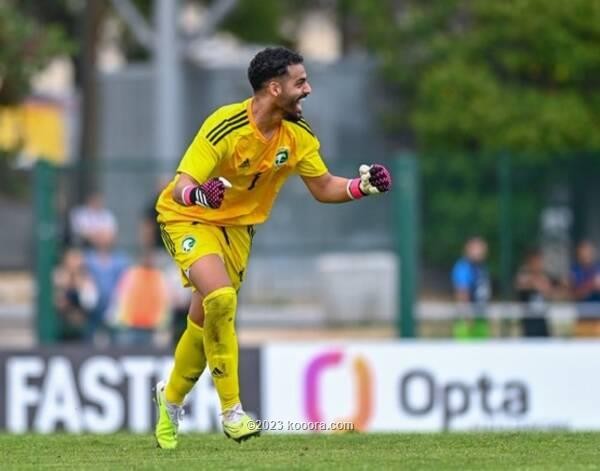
x=238 y=425
x=168 y=417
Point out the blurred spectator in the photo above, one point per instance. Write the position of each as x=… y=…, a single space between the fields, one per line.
x=585 y=289
x=472 y=290
x=534 y=288
x=75 y=296
x=151 y=241
x=106 y=266
x=181 y=298
x=141 y=304
x=150 y=231
x=90 y=219
x=150 y=237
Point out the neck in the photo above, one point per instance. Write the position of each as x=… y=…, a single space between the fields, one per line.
x=266 y=116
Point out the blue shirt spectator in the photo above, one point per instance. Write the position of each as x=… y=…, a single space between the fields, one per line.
x=585 y=281
x=106 y=266
x=106 y=270
x=472 y=290
x=471 y=278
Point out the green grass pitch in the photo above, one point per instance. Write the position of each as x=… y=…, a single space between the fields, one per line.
x=457 y=451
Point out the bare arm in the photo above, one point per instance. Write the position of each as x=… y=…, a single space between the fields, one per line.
x=183 y=180
x=209 y=194
x=328 y=188
x=331 y=189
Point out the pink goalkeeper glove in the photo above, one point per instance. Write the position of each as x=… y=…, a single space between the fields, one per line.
x=210 y=194
x=373 y=179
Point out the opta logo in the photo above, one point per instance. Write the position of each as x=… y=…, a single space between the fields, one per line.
x=363 y=388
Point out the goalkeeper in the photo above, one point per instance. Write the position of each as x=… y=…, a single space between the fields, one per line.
x=225 y=184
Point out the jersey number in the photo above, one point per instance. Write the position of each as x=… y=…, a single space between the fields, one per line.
x=254 y=180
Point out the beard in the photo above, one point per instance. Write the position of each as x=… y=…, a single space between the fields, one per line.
x=293 y=108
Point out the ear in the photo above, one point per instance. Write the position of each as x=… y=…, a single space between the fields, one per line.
x=274 y=88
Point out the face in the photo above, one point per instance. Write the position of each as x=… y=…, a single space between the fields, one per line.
x=95 y=201
x=73 y=260
x=536 y=263
x=290 y=90
x=104 y=240
x=586 y=253
x=476 y=250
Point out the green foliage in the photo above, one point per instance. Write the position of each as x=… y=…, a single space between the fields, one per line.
x=517 y=75
x=256 y=21
x=478 y=78
x=132 y=49
x=25 y=48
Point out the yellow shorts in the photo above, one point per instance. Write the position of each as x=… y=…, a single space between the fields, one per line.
x=187 y=242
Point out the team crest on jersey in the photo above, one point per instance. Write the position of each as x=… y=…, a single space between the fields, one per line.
x=281 y=157
x=188 y=244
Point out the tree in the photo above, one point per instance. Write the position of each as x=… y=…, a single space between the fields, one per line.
x=256 y=20
x=475 y=78
x=26 y=47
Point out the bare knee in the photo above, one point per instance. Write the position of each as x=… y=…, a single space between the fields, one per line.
x=196 y=313
x=209 y=274
x=213 y=288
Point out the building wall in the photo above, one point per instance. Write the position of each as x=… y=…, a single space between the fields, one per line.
x=340 y=110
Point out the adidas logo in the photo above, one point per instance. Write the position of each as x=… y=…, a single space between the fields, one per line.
x=191 y=379
x=245 y=163
x=216 y=373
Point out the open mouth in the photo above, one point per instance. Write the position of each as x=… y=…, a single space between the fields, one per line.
x=299 y=103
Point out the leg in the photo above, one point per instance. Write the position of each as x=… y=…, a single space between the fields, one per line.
x=190 y=359
x=215 y=299
x=190 y=362
x=209 y=276
x=211 y=326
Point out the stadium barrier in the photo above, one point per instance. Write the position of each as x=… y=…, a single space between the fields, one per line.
x=422 y=386
x=81 y=390
x=432 y=386
x=434 y=319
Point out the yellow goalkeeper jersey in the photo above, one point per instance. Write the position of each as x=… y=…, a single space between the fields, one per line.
x=230 y=145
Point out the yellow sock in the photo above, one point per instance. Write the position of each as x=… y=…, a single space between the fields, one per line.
x=220 y=344
x=190 y=361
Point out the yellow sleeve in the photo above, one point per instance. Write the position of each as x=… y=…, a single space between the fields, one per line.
x=310 y=163
x=201 y=157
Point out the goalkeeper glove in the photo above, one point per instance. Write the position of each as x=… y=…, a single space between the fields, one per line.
x=373 y=179
x=209 y=195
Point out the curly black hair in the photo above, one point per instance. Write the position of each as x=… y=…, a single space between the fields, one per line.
x=270 y=63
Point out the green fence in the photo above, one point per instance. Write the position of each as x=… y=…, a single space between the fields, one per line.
x=437 y=202
x=47 y=233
